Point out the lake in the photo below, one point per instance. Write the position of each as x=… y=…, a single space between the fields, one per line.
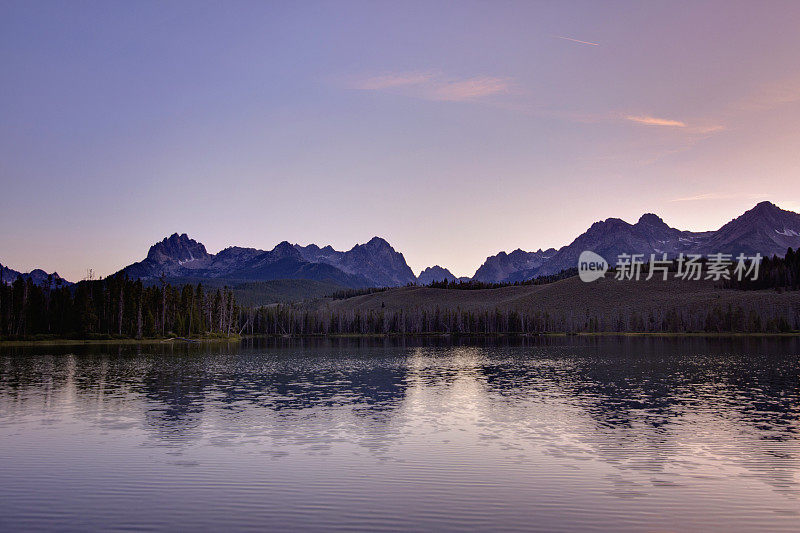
x=549 y=434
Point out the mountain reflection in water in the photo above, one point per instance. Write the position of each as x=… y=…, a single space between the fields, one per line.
x=548 y=434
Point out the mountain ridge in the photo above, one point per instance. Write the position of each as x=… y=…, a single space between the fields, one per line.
x=375 y=260
x=373 y=264
x=435 y=273
x=37 y=275
x=765 y=229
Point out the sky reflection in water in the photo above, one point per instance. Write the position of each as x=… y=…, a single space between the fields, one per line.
x=544 y=434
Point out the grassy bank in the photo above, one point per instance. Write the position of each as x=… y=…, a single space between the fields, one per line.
x=54 y=341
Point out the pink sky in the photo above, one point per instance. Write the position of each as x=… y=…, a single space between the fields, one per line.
x=453 y=130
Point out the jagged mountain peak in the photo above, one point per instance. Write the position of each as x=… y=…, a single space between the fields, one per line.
x=283 y=250
x=283 y=245
x=376 y=260
x=651 y=219
x=765 y=229
x=37 y=276
x=549 y=251
x=236 y=249
x=764 y=212
x=311 y=247
x=613 y=221
x=435 y=273
x=177 y=248
x=375 y=263
x=604 y=225
x=378 y=242
x=176 y=238
x=766 y=205
x=499 y=267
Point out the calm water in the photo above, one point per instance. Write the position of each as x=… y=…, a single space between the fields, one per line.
x=553 y=435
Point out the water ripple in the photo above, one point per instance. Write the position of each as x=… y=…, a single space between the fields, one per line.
x=549 y=435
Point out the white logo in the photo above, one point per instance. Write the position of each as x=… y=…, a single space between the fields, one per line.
x=591 y=266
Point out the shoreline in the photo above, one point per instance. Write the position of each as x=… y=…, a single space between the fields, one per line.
x=100 y=342
x=239 y=339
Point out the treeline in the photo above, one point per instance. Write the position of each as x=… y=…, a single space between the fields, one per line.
x=477 y=285
x=467 y=285
x=296 y=320
x=352 y=293
x=114 y=307
x=774 y=273
x=118 y=307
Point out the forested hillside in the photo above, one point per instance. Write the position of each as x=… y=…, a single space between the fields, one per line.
x=566 y=306
x=120 y=307
x=775 y=273
x=114 y=307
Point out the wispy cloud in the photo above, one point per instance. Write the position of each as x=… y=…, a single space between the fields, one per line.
x=576 y=40
x=655 y=121
x=469 y=89
x=698 y=131
x=388 y=81
x=433 y=86
x=709 y=129
x=720 y=196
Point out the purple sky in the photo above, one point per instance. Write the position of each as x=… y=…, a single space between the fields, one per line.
x=454 y=130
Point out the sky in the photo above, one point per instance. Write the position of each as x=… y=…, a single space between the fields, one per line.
x=454 y=130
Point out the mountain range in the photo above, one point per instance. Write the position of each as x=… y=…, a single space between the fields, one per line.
x=374 y=264
x=37 y=275
x=764 y=229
